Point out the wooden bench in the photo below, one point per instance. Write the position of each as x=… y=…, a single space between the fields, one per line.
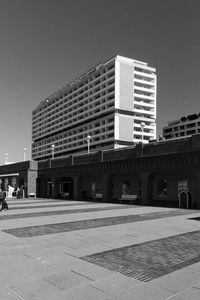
x=65 y=196
x=130 y=198
x=98 y=196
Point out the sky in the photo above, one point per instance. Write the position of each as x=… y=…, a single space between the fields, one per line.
x=45 y=44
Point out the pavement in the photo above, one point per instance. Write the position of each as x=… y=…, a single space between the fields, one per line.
x=64 y=249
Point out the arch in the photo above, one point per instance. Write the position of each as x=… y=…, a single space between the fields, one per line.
x=90 y=186
x=65 y=188
x=146 y=187
x=122 y=184
x=185 y=199
x=164 y=189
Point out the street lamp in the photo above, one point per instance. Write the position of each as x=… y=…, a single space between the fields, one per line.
x=142 y=128
x=88 y=141
x=24 y=154
x=52 y=150
x=6 y=157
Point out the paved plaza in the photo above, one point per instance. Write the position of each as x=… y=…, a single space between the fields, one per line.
x=59 y=249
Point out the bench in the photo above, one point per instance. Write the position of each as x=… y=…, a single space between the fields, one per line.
x=98 y=196
x=130 y=198
x=31 y=195
x=65 y=196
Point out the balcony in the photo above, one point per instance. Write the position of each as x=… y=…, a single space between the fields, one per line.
x=141 y=96
x=142 y=103
x=143 y=89
x=143 y=111
x=145 y=75
x=145 y=82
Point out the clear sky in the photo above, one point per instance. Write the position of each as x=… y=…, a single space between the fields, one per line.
x=45 y=44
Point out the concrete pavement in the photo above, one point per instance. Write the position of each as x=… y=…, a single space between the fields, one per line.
x=58 y=249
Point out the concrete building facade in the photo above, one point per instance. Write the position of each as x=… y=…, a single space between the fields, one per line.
x=185 y=126
x=106 y=105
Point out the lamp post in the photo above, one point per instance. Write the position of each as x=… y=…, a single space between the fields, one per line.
x=52 y=151
x=24 y=154
x=88 y=142
x=102 y=155
x=6 y=158
x=142 y=128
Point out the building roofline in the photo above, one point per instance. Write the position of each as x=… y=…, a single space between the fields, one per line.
x=87 y=73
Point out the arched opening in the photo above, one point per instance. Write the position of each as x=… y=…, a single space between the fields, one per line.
x=122 y=185
x=185 y=199
x=65 y=188
x=89 y=187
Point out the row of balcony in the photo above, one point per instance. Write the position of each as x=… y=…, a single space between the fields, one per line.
x=52 y=104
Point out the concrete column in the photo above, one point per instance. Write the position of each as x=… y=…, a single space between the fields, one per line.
x=55 y=187
x=31 y=182
x=106 y=188
x=146 y=188
x=42 y=187
x=76 y=188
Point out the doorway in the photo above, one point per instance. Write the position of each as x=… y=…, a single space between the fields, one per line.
x=66 y=188
x=49 y=189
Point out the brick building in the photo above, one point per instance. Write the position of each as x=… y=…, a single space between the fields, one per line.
x=156 y=173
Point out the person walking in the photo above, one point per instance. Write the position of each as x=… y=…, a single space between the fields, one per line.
x=2 y=199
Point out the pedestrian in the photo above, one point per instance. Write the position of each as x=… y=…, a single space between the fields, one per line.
x=21 y=191
x=2 y=199
x=18 y=193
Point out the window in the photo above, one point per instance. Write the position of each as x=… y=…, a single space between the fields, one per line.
x=182 y=185
x=125 y=187
x=162 y=188
x=93 y=188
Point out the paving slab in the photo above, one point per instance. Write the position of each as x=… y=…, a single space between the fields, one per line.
x=178 y=281
x=8 y=295
x=143 y=292
x=115 y=284
x=34 y=289
x=192 y=293
x=85 y=292
x=92 y=271
x=67 y=280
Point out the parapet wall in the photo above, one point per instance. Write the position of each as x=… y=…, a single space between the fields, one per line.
x=182 y=145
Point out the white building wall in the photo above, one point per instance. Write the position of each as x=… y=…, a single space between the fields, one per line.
x=124 y=128
x=125 y=85
x=135 y=101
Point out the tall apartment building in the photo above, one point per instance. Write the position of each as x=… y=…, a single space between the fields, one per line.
x=185 y=126
x=108 y=103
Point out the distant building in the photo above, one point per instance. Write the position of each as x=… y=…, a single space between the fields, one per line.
x=185 y=126
x=108 y=104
